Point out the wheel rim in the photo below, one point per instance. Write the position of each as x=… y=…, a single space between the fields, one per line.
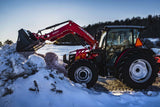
x=140 y=70
x=83 y=74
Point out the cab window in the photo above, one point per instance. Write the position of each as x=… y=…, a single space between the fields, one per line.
x=119 y=37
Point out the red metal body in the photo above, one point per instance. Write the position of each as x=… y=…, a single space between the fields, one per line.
x=158 y=61
x=84 y=54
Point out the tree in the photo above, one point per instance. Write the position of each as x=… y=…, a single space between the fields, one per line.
x=1 y=44
x=8 y=42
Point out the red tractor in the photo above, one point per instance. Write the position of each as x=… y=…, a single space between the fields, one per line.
x=119 y=53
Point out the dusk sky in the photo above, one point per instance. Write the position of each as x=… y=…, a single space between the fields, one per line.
x=38 y=14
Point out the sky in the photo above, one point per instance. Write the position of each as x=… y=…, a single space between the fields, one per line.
x=34 y=15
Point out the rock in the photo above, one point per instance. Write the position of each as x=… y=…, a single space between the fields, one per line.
x=7 y=91
x=46 y=77
x=59 y=91
x=51 y=75
x=54 y=86
x=25 y=76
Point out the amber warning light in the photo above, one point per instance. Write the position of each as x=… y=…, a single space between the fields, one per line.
x=138 y=43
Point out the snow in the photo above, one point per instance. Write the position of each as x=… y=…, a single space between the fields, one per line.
x=37 y=60
x=48 y=88
x=156 y=51
x=58 y=49
x=153 y=40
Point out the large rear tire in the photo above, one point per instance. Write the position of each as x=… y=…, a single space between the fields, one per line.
x=138 y=70
x=83 y=71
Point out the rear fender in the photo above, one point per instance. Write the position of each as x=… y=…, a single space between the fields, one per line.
x=131 y=50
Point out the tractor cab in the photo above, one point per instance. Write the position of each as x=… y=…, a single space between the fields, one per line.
x=119 y=36
x=115 y=39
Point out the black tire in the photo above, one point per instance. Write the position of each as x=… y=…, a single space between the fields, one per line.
x=137 y=69
x=83 y=71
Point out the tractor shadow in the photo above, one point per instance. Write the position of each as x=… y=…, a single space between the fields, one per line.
x=108 y=85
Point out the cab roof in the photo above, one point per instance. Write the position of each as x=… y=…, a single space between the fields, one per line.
x=124 y=26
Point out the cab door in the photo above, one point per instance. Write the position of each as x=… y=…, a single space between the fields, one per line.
x=117 y=40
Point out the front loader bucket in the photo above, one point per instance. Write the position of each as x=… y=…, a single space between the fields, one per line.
x=27 y=42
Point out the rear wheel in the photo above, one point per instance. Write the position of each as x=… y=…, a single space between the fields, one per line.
x=138 y=70
x=83 y=71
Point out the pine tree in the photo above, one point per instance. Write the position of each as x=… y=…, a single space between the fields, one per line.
x=8 y=42
x=1 y=44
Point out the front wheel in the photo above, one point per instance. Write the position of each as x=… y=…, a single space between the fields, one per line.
x=83 y=71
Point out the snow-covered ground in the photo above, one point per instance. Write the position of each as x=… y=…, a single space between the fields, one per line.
x=27 y=83
x=156 y=50
x=153 y=40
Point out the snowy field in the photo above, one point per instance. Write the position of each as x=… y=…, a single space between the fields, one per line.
x=27 y=83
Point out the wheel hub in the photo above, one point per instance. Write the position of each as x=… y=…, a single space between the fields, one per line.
x=83 y=74
x=140 y=70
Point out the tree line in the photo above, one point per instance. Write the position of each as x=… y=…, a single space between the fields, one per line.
x=152 y=24
x=6 y=42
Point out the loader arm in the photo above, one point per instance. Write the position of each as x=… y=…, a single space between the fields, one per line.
x=70 y=28
x=28 y=41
